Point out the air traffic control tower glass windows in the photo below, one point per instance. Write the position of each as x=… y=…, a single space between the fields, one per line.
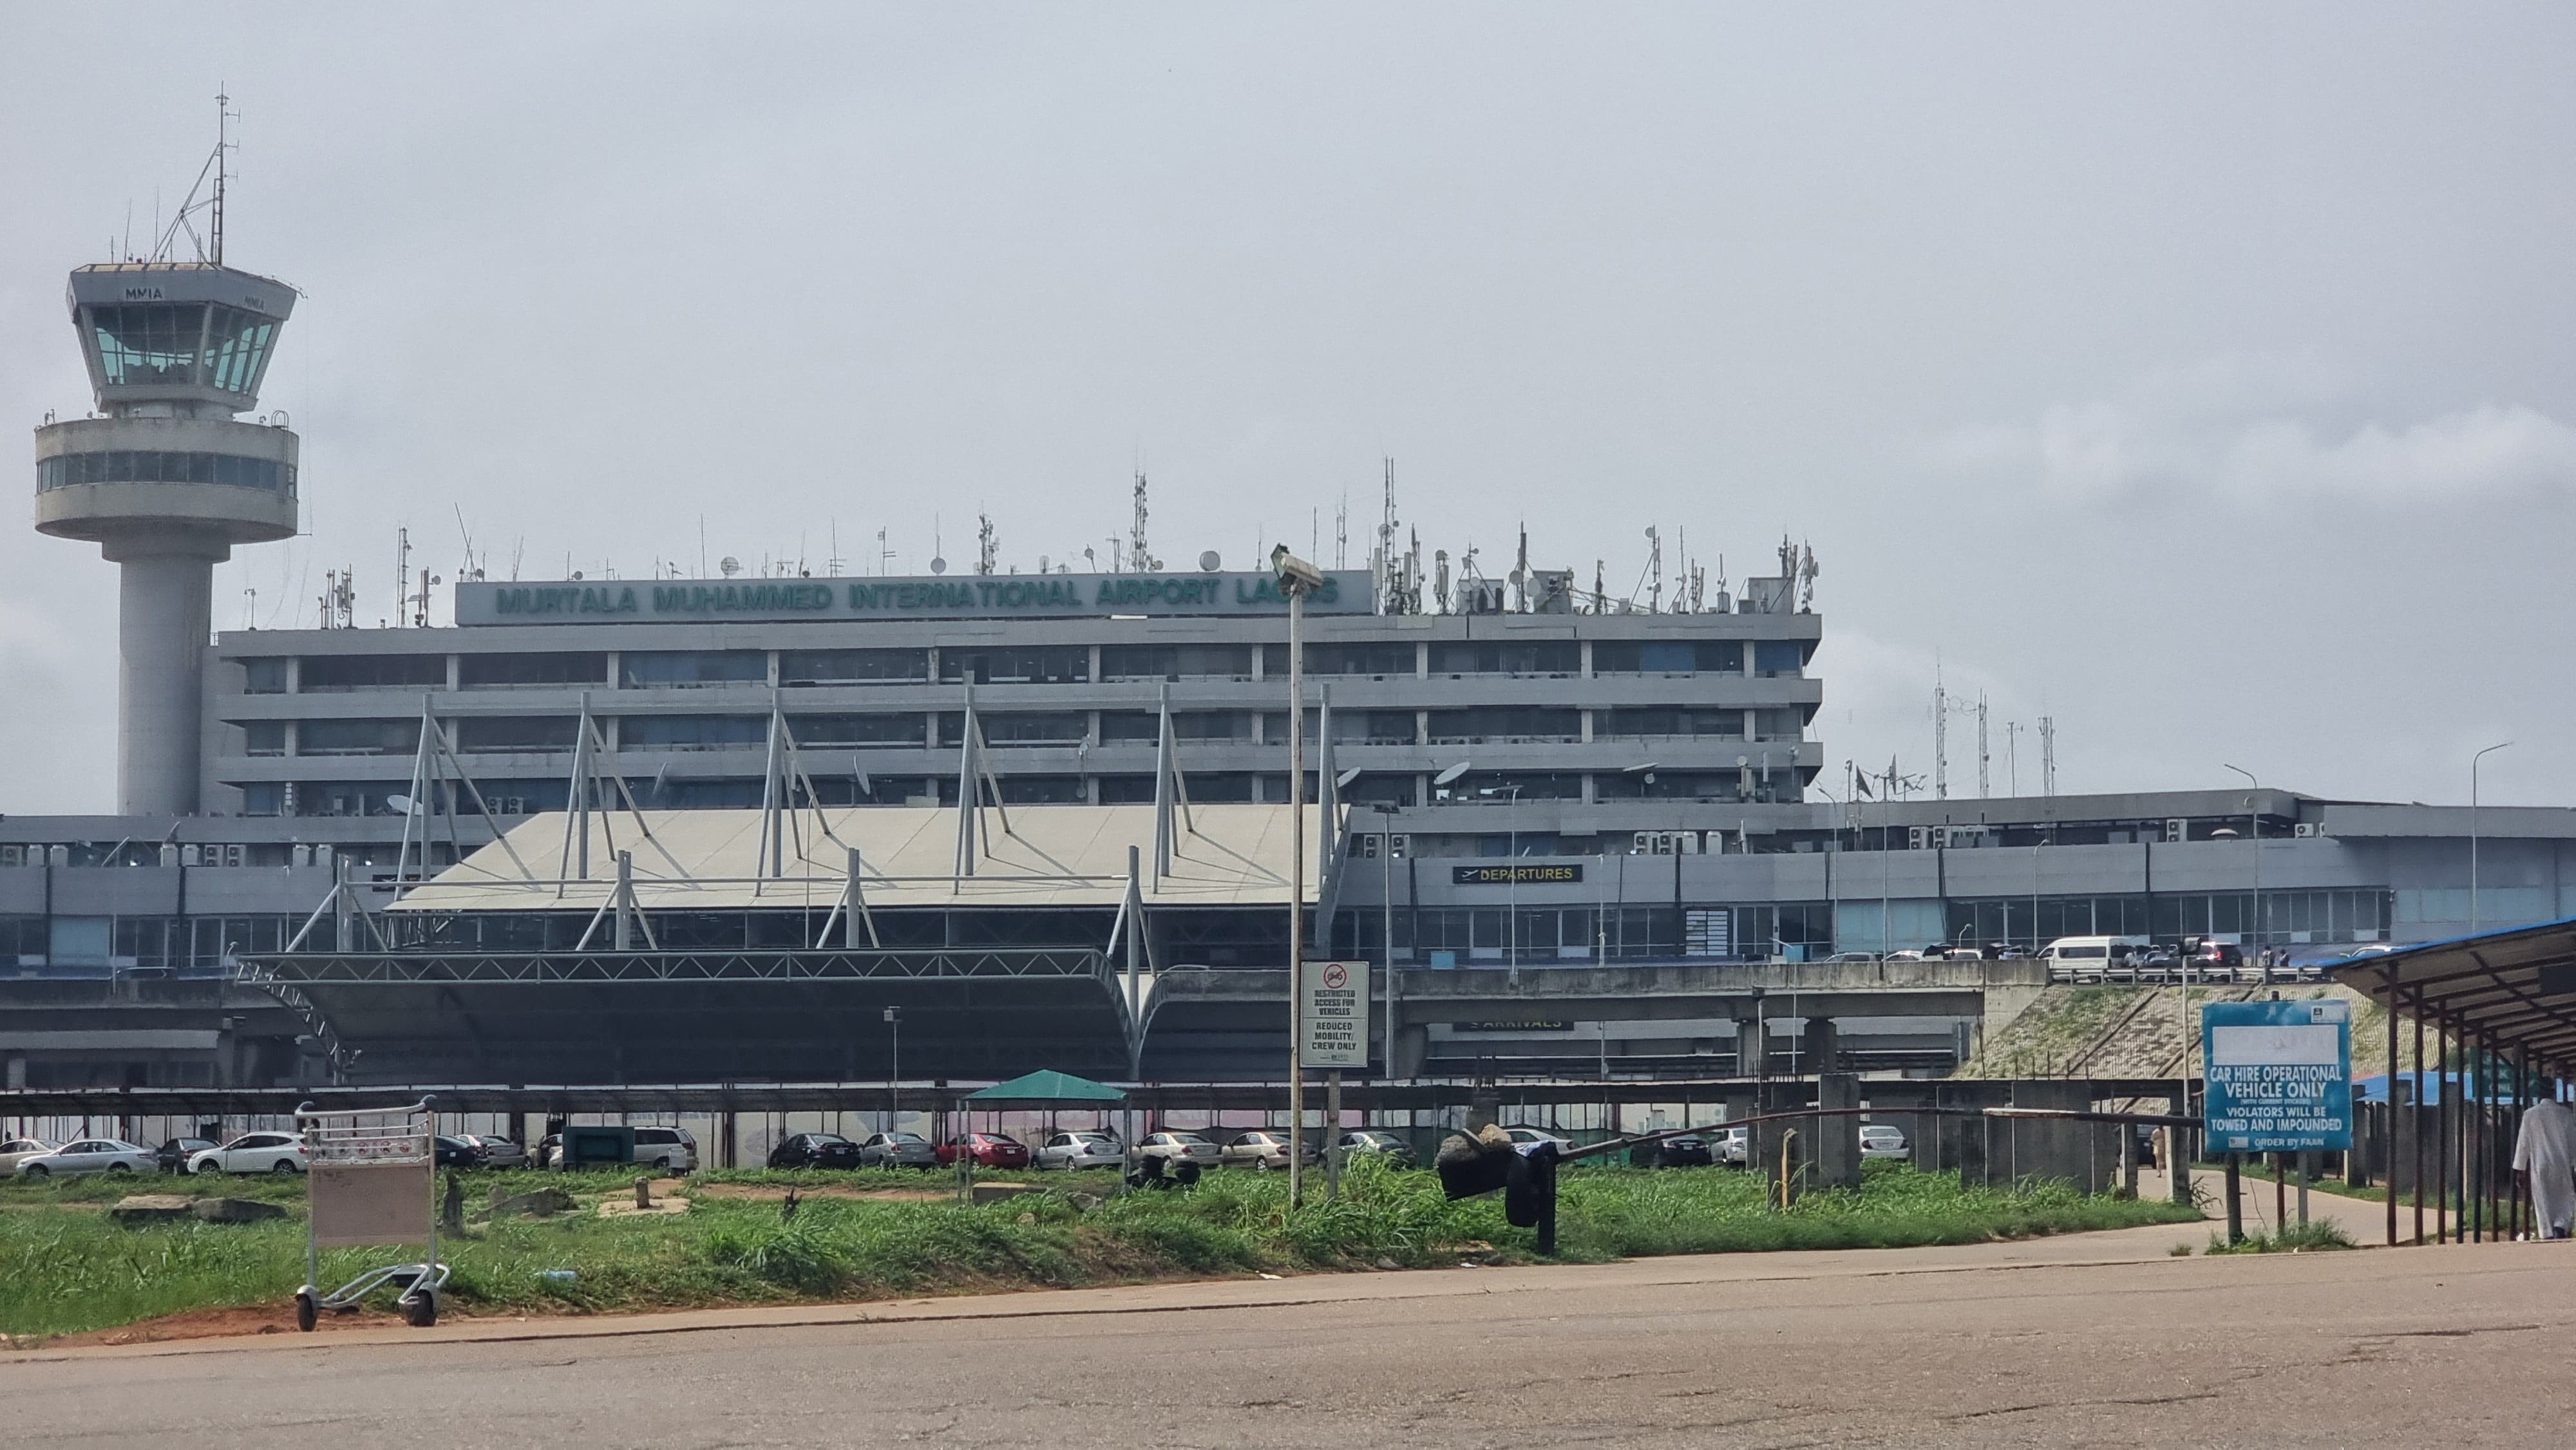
x=150 y=345
x=236 y=345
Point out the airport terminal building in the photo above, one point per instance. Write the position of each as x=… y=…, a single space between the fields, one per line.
x=1512 y=778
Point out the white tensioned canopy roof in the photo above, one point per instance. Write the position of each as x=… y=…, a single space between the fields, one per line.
x=718 y=860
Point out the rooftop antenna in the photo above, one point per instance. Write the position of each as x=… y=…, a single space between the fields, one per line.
x=1806 y=579
x=1654 y=571
x=1342 y=532
x=1520 y=573
x=988 y=548
x=1982 y=757
x=402 y=571
x=1940 y=736
x=1600 y=594
x=1390 y=589
x=2048 y=755
x=210 y=181
x=1139 y=558
x=2012 y=756
x=885 y=552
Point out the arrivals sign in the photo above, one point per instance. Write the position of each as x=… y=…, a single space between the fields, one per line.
x=2278 y=1076
x=1333 y=1003
x=978 y=596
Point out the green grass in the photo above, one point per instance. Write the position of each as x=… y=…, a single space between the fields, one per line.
x=2295 y=1238
x=71 y=1269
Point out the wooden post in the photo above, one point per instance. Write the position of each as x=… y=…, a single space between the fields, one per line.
x=2235 y=1198
x=2128 y=1158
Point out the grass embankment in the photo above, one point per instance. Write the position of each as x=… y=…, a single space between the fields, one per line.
x=70 y=1268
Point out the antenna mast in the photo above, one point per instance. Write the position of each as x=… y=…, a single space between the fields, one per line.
x=1138 y=557
x=1940 y=737
x=2048 y=755
x=1982 y=757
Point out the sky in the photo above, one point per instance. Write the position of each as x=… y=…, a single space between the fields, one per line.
x=2200 y=377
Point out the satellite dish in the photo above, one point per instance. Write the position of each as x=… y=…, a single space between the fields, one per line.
x=1343 y=780
x=403 y=805
x=938 y=566
x=576 y=573
x=728 y=566
x=1210 y=561
x=1450 y=776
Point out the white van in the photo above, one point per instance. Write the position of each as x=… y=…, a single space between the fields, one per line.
x=673 y=1148
x=2092 y=958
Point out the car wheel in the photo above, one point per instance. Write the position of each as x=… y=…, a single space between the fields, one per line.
x=211 y=1165
x=120 y=1167
x=285 y=1165
x=38 y=1170
x=662 y=1163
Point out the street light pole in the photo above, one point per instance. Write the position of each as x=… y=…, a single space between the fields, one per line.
x=894 y=1069
x=1296 y=577
x=2473 y=830
x=2254 y=818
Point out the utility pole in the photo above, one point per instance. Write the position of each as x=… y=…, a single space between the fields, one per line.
x=2473 y=831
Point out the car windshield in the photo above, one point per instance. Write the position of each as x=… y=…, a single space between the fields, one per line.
x=1091 y=1138
x=908 y=1138
x=1189 y=1140
x=828 y=1140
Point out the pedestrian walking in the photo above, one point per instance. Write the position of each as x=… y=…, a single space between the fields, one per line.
x=2544 y=1158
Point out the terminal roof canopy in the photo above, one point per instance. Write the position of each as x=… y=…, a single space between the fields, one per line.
x=1047 y=1085
x=2512 y=990
x=712 y=860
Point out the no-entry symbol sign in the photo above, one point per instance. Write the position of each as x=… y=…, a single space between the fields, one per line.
x=1334 y=1005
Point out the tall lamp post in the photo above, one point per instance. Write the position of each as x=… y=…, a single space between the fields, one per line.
x=2254 y=819
x=1511 y=883
x=2473 y=830
x=1296 y=579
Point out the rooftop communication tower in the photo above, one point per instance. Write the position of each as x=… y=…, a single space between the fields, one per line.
x=164 y=477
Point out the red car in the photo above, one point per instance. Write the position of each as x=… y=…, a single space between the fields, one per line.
x=990 y=1150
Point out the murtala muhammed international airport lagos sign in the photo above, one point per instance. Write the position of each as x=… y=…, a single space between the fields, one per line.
x=973 y=596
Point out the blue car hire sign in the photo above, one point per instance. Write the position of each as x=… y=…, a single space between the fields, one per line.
x=2278 y=1076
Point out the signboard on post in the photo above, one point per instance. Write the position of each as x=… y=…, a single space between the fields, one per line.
x=1334 y=1005
x=2278 y=1076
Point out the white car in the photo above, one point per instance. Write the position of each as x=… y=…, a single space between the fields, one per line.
x=1080 y=1150
x=1733 y=1145
x=1524 y=1139
x=17 y=1150
x=89 y=1155
x=671 y=1148
x=1882 y=1140
x=1176 y=1149
x=253 y=1153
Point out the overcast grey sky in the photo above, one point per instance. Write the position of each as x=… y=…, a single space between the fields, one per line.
x=2200 y=375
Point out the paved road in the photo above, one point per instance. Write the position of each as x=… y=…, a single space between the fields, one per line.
x=2096 y=1340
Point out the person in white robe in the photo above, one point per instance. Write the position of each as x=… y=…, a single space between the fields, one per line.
x=2544 y=1158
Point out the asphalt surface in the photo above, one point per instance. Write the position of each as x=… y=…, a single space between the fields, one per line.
x=2089 y=1340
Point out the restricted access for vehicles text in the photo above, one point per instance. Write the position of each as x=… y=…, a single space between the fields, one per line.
x=1334 y=1004
x=2278 y=1076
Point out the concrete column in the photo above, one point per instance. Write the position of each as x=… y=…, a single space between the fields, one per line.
x=164 y=614
x=1412 y=1050
x=1750 y=1051
x=1837 y=1146
x=1823 y=1048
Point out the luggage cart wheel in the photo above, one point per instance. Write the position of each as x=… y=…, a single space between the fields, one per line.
x=306 y=1311
x=420 y=1310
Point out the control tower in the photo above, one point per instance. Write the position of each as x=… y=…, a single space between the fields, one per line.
x=166 y=480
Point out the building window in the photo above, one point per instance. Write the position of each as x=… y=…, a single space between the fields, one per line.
x=499 y=734
x=324 y=673
x=1006 y=729
x=1528 y=785
x=1788 y=722
x=1022 y=665
x=691 y=732
x=1176 y=662
x=264 y=677
x=149 y=466
x=1519 y=657
x=639 y=669
x=899 y=728
x=149 y=346
x=1385 y=658
x=264 y=737
x=1668 y=657
x=1655 y=722
x=852 y=666
x=1775 y=658
x=1504 y=724
x=356 y=737
x=505 y=671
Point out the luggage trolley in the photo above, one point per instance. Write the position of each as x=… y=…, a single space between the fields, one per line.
x=372 y=1176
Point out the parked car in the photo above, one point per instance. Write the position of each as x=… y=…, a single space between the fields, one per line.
x=1178 y=1148
x=1263 y=1148
x=1372 y=1140
x=549 y=1151
x=253 y=1153
x=1882 y=1140
x=1081 y=1150
x=453 y=1152
x=499 y=1152
x=1525 y=1139
x=170 y=1157
x=1734 y=1146
x=1853 y=957
x=88 y=1155
x=1688 y=1150
x=989 y=1150
x=814 y=1150
x=17 y=1150
x=898 y=1150
x=671 y=1148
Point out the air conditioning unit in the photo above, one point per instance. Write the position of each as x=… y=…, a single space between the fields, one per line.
x=2176 y=829
x=2304 y=828
x=1399 y=846
x=1918 y=838
x=1686 y=842
x=173 y=856
x=301 y=855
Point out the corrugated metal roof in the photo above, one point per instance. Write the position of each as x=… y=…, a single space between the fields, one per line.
x=1053 y=855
